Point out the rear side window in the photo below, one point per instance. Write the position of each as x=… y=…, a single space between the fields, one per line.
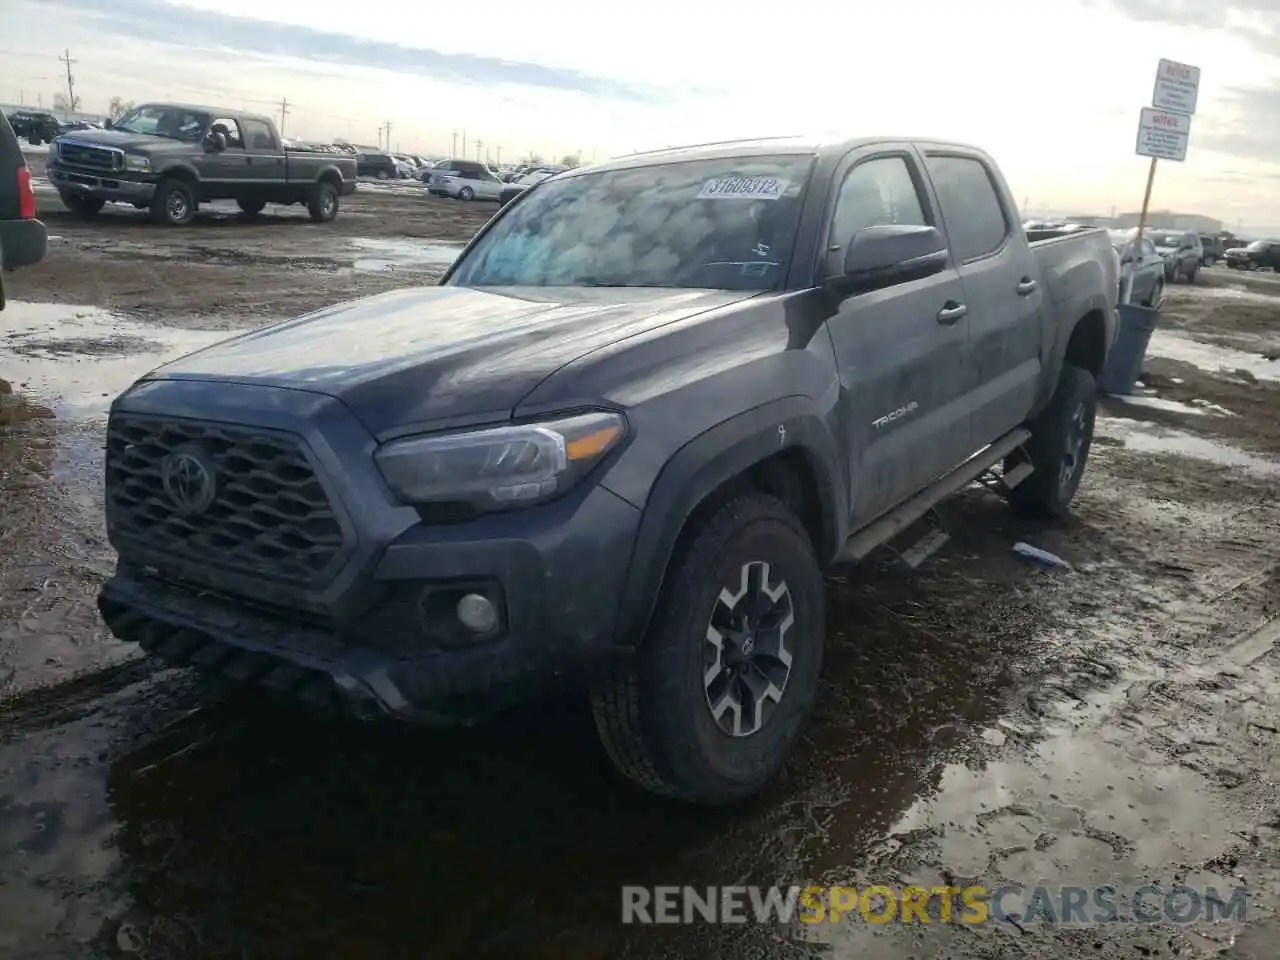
x=971 y=207
x=259 y=135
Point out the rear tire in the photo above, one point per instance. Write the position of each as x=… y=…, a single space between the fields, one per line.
x=751 y=560
x=466 y=193
x=174 y=204
x=323 y=203
x=1059 y=448
x=81 y=205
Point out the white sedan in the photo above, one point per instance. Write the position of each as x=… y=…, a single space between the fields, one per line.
x=468 y=184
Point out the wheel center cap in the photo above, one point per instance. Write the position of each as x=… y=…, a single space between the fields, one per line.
x=748 y=644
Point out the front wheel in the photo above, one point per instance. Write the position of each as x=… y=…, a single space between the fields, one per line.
x=81 y=205
x=1059 y=448
x=322 y=206
x=174 y=204
x=708 y=707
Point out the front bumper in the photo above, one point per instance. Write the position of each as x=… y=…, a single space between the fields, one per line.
x=383 y=636
x=112 y=187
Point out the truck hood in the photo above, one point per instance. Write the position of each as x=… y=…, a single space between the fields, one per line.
x=434 y=353
x=133 y=142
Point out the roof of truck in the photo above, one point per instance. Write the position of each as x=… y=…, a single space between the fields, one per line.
x=205 y=108
x=796 y=145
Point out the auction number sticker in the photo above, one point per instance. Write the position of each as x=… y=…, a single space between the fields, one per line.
x=743 y=188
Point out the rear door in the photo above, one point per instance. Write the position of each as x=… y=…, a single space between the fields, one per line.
x=1001 y=288
x=901 y=350
x=266 y=158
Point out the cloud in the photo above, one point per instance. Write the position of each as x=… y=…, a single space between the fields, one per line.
x=1252 y=132
x=165 y=23
x=1257 y=21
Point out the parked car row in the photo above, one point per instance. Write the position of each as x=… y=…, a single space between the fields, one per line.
x=39 y=126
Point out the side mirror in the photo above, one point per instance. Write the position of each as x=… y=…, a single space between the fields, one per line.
x=215 y=141
x=878 y=257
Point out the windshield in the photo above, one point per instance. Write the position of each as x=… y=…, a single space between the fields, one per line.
x=720 y=224
x=1166 y=239
x=162 y=120
x=1257 y=246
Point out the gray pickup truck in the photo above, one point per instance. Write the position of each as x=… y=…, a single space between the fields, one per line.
x=618 y=443
x=169 y=158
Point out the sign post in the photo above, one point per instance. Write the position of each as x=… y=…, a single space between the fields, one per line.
x=1164 y=128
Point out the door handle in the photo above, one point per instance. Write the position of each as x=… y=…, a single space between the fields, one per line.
x=951 y=313
x=1027 y=286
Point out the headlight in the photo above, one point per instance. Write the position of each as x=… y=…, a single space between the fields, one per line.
x=501 y=467
x=137 y=163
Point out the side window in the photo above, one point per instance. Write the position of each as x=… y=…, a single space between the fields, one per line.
x=975 y=217
x=234 y=139
x=875 y=193
x=259 y=135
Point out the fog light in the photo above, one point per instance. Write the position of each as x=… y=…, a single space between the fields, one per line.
x=477 y=613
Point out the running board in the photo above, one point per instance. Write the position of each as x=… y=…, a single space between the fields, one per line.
x=895 y=521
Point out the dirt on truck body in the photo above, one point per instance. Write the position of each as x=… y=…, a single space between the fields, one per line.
x=982 y=719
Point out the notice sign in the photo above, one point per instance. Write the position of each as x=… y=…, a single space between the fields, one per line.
x=1177 y=87
x=1163 y=135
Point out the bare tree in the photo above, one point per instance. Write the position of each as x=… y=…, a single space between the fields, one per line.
x=61 y=104
x=118 y=107
x=570 y=160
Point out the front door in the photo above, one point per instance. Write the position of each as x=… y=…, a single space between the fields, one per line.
x=1002 y=288
x=222 y=172
x=902 y=350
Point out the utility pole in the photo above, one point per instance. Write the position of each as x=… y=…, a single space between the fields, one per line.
x=284 y=112
x=499 y=154
x=71 y=82
x=464 y=144
x=386 y=125
x=455 y=144
x=479 y=144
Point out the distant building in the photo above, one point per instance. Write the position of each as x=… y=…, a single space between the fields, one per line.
x=1168 y=220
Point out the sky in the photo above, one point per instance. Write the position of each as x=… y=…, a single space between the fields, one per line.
x=1052 y=88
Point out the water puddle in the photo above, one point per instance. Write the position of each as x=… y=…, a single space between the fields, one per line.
x=380 y=256
x=1237 y=293
x=1152 y=438
x=78 y=359
x=1206 y=356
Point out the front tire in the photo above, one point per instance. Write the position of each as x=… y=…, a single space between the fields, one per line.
x=708 y=707
x=174 y=204
x=1059 y=448
x=81 y=205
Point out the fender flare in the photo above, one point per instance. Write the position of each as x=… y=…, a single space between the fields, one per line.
x=1096 y=303
x=704 y=464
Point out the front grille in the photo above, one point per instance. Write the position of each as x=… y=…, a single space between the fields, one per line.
x=268 y=516
x=82 y=155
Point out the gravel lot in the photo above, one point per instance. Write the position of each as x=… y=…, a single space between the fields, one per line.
x=983 y=720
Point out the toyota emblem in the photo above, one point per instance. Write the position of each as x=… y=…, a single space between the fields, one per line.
x=188 y=478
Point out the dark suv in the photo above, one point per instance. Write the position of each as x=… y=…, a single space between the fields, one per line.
x=36 y=127
x=1254 y=256
x=378 y=165
x=22 y=236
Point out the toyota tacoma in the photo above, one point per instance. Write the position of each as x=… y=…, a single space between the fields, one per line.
x=618 y=444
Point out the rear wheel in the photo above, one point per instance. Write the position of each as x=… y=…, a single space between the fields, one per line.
x=81 y=205
x=382 y=175
x=174 y=204
x=466 y=193
x=712 y=701
x=323 y=203
x=1059 y=448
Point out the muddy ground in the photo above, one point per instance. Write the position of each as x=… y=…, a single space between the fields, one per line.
x=983 y=720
